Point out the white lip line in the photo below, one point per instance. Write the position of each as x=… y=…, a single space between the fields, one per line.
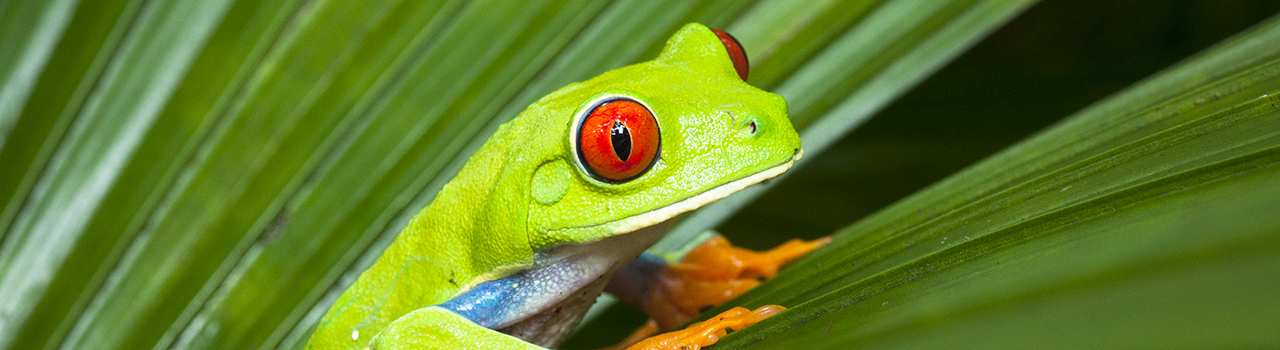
x=656 y=216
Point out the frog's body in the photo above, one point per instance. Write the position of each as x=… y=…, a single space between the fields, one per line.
x=527 y=234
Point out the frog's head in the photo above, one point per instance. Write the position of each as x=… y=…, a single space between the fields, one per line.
x=643 y=143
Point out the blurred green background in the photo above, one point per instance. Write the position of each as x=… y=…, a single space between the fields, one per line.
x=210 y=174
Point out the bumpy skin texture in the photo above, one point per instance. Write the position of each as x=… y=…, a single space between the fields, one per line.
x=524 y=192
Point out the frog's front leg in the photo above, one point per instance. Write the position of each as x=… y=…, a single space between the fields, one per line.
x=437 y=328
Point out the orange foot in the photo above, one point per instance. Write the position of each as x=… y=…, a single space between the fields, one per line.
x=709 y=275
x=714 y=272
x=707 y=332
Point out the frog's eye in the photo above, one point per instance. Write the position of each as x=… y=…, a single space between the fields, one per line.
x=617 y=140
x=738 y=56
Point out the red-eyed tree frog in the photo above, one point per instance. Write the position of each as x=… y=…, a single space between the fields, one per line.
x=561 y=203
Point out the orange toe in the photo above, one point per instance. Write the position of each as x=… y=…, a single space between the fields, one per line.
x=707 y=332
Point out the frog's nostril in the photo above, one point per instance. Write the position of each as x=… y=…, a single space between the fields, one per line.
x=749 y=128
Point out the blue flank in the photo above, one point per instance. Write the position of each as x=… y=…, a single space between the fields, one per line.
x=488 y=304
x=501 y=302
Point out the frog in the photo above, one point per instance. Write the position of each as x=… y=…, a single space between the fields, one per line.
x=561 y=203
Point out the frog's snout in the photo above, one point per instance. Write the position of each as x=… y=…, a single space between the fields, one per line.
x=771 y=142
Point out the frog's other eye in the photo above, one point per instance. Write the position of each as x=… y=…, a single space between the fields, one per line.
x=618 y=140
x=734 y=47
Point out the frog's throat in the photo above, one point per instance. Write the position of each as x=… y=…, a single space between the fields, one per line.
x=659 y=215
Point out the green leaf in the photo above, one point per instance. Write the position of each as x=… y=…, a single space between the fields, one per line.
x=111 y=123
x=29 y=31
x=1147 y=219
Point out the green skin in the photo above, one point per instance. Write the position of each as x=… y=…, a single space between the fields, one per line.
x=524 y=193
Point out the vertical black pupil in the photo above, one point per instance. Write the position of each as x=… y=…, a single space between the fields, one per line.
x=621 y=137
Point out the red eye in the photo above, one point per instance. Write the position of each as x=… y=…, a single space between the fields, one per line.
x=738 y=56
x=618 y=141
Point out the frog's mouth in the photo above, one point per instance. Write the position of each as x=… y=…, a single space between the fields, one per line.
x=659 y=215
